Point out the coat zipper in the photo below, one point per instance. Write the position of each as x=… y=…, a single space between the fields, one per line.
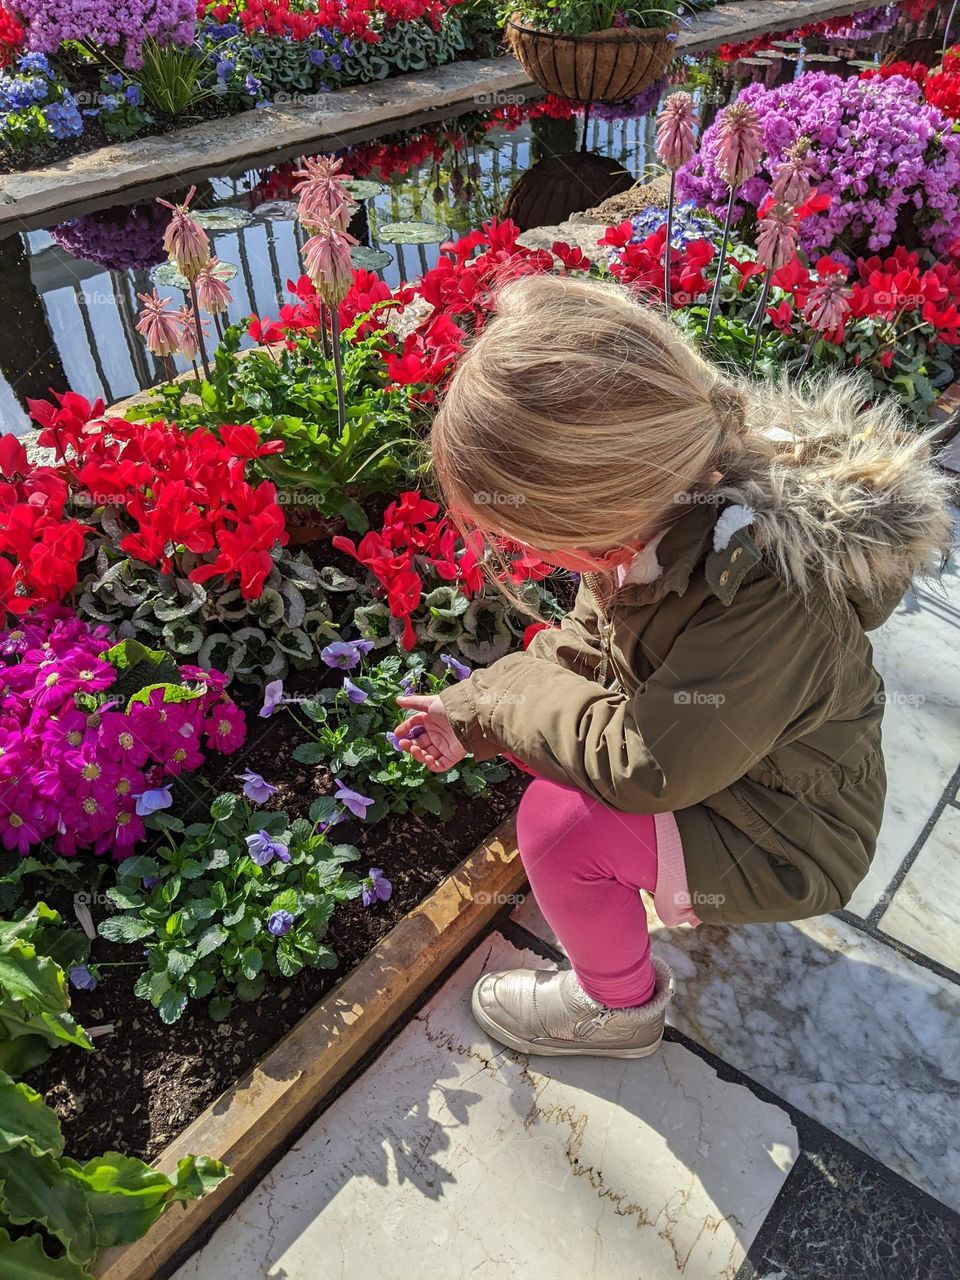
x=606 y=631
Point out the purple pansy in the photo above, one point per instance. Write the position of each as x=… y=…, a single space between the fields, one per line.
x=280 y=923
x=459 y=669
x=82 y=978
x=345 y=654
x=153 y=801
x=376 y=887
x=353 y=691
x=272 y=697
x=353 y=800
x=256 y=788
x=263 y=849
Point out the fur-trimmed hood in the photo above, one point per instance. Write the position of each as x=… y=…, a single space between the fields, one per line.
x=856 y=510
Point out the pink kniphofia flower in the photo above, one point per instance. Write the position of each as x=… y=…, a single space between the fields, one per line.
x=322 y=193
x=185 y=241
x=777 y=240
x=159 y=328
x=213 y=293
x=740 y=144
x=189 y=335
x=326 y=257
x=675 y=130
x=828 y=304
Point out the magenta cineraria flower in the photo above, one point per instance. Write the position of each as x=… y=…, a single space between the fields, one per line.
x=256 y=788
x=459 y=669
x=272 y=697
x=280 y=923
x=83 y=777
x=226 y=728
x=263 y=849
x=353 y=800
x=376 y=887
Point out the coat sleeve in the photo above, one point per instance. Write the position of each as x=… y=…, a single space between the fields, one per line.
x=739 y=679
x=575 y=642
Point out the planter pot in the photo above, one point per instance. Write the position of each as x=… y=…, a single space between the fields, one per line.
x=602 y=66
x=560 y=185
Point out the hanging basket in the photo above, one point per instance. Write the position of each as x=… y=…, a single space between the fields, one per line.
x=602 y=66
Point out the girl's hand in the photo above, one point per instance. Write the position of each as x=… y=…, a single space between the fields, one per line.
x=428 y=735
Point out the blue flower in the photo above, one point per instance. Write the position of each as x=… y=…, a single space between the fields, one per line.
x=280 y=923
x=152 y=801
x=35 y=62
x=376 y=887
x=224 y=67
x=345 y=654
x=392 y=738
x=317 y=57
x=354 y=801
x=255 y=788
x=132 y=95
x=353 y=691
x=272 y=697
x=82 y=978
x=409 y=682
x=459 y=669
x=64 y=118
x=252 y=84
x=335 y=61
x=115 y=80
x=263 y=850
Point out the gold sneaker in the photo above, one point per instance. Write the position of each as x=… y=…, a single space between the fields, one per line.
x=546 y=1012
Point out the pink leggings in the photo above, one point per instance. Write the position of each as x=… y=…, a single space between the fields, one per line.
x=586 y=864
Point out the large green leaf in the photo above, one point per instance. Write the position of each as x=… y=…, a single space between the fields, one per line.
x=37 y=1189
x=24 y=1259
x=26 y=1120
x=126 y=1196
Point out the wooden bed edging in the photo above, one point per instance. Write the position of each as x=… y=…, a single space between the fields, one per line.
x=252 y=1119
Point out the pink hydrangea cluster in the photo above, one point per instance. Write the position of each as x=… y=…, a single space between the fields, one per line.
x=109 y=23
x=77 y=768
x=889 y=161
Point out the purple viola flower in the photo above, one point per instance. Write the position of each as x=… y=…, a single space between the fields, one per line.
x=353 y=800
x=392 y=738
x=376 y=887
x=409 y=682
x=150 y=882
x=82 y=978
x=345 y=654
x=317 y=57
x=353 y=691
x=280 y=923
x=459 y=669
x=153 y=801
x=256 y=788
x=263 y=849
x=272 y=697
x=416 y=732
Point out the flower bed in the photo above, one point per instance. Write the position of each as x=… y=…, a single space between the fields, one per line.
x=196 y=744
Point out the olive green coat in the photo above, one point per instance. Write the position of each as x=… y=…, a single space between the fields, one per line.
x=748 y=708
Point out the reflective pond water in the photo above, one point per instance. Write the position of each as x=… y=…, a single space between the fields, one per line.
x=70 y=292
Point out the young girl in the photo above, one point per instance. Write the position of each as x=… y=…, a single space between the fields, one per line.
x=705 y=723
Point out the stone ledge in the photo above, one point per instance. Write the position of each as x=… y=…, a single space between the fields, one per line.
x=250 y=1122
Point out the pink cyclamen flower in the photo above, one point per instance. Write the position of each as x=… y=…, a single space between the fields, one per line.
x=740 y=144
x=793 y=178
x=675 y=130
x=777 y=240
x=326 y=256
x=213 y=294
x=159 y=328
x=322 y=193
x=828 y=304
x=185 y=241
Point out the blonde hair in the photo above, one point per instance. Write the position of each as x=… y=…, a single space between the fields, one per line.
x=579 y=417
x=582 y=420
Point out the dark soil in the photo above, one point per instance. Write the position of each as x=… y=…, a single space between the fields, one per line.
x=146 y=1081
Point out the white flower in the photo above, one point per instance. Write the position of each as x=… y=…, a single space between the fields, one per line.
x=728 y=522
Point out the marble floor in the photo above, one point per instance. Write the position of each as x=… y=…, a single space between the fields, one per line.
x=802 y=1121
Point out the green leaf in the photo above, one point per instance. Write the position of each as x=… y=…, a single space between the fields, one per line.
x=172 y=1005
x=178 y=963
x=139 y=867
x=224 y=806
x=26 y=1120
x=126 y=899
x=190 y=868
x=309 y=753
x=210 y=940
x=219 y=1008
x=125 y=1196
x=197 y=1175
x=36 y=1189
x=251 y=962
x=24 y=1259
x=124 y=928
x=200 y=983
x=171 y=693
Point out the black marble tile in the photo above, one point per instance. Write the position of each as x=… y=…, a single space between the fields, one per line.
x=842 y=1216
